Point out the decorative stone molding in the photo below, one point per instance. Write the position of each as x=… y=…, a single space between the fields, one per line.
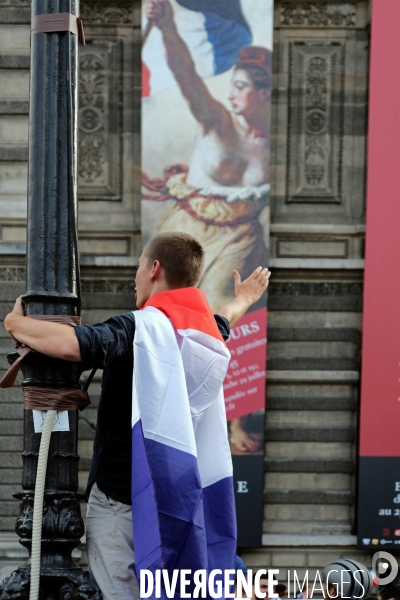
x=61 y=515
x=329 y=288
x=15 y=3
x=316 y=74
x=14 y=61
x=100 y=117
x=73 y=585
x=14 y=107
x=101 y=13
x=12 y=274
x=96 y=13
x=312 y=247
x=15 y=14
x=105 y=245
x=108 y=286
x=306 y=14
x=14 y=154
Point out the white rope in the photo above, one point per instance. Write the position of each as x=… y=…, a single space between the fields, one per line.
x=38 y=504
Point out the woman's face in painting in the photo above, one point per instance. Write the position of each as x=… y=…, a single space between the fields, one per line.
x=244 y=97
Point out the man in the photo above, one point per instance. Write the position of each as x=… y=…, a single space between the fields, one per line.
x=169 y=262
x=281 y=590
x=263 y=587
x=389 y=592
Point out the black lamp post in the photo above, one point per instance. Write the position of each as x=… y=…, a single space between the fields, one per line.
x=52 y=289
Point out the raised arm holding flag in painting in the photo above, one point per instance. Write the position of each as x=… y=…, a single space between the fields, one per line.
x=161 y=457
x=232 y=147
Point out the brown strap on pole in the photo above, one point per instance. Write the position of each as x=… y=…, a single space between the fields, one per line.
x=38 y=398
x=58 y=22
x=60 y=319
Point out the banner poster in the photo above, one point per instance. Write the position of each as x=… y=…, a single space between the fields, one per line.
x=379 y=450
x=206 y=87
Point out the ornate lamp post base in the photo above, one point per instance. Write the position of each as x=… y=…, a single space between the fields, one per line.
x=56 y=584
x=62 y=528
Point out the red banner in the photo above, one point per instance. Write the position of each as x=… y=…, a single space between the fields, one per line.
x=379 y=465
x=380 y=383
x=244 y=386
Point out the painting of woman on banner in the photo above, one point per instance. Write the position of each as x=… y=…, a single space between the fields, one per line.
x=218 y=188
x=206 y=107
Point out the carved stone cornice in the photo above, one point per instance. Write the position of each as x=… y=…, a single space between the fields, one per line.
x=102 y=13
x=318 y=14
x=12 y=273
x=108 y=286
x=93 y=13
x=15 y=3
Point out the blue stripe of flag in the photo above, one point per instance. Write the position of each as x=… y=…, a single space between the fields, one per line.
x=176 y=523
x=227 y=29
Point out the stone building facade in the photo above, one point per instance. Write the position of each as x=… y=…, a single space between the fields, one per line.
x=317 y=238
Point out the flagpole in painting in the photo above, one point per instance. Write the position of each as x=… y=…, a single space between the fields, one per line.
x=146 y=32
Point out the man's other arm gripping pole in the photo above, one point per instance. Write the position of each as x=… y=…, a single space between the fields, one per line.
x=52 y=339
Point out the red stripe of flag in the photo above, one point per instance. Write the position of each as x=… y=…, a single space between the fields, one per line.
x=145 y=80
x=187 y=308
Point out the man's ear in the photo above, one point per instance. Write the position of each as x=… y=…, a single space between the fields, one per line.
x=156 y=269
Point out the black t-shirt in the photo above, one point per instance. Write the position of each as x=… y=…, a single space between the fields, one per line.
x=109 y=346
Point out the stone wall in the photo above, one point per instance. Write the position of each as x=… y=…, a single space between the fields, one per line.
x=317 y=229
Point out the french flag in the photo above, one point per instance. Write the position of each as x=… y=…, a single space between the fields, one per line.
x=183 y=505
x=214 y=31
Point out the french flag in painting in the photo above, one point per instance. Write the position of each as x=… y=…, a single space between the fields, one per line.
x=183 y=506
x=214 y=31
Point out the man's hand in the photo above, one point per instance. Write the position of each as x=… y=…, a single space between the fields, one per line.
x=13 y=316
x=247 y=292
x=160 y=13
x=17 y=311
x=18 y=307
x=52 y=339
x=252 y=288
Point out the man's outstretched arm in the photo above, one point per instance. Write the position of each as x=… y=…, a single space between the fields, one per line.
x=52 y=339
x=247 y=292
